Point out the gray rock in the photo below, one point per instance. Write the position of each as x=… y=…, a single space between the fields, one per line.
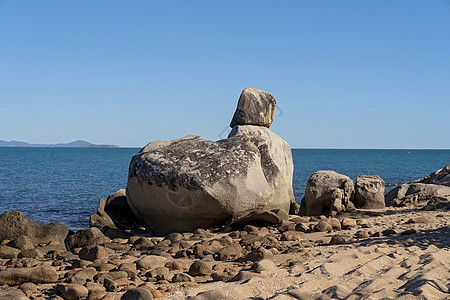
x=23 y=243
x=32 y=253
x=328 y=191
x=13 y=224
x=114 y=212
x=8 y=252
x=369 y=192
x=323 y=226
x=88 y=237
x=13 y=295
x=411 y=194
x=259 y=254
x=190 y=183
x=255 y=107
x=337 y=240
x=439 y=177
x=39 y=274
x=93 y=252
x=137 y=294
x=263 y=265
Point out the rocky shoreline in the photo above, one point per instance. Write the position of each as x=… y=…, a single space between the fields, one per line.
x=382 y=253
x=218 y=220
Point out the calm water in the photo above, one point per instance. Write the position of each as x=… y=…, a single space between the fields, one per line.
x=65 y=184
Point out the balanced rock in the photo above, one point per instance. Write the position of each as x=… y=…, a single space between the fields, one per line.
x=439 y=177
x=114 y=212
x=13 y=224
x=369 y=192
x=255 y=107
x=411 y=194
x=327 y=191
x=189 y=183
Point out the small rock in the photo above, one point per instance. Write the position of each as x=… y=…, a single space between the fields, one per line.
x=416 y=220
x=93 y=252
x=335 y=223
x=151 y=262
x=245 y=275
x=361 y=234
x=96 y=295
x=182 y=277
x=221 y=276
x=303 y=227
x=337 y=240
x=323 y=226
x=263 y=265
x=13 y=295
x=230 y=252
x=7 y=252
x=292 y=236
x=176 y=264
x=73 y=291
x=31 y=253
x=388 y=232
x=347 y=223
x=88 y=237
x=200 y=268
x=174 y=237
x=138 y=293
x=409 y=232
x=23 y=243
x=28 y=287
x=258 y=254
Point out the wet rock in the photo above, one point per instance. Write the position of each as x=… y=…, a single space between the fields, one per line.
x=263 y=265
x=182 y=277
x=369 y=192
x=13 y=224
x=88 y=237
x=200 y=268
x=151 y=262
x=327 y=191
x=138 y=293
x=39 y=274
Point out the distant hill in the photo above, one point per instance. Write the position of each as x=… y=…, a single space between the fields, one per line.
x=74 y=144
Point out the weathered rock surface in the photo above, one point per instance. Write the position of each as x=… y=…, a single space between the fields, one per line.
x=255 y=107
x=438 y=204
x=13 y=295
x=369 y=192
x=40 y=274
x=137 y=294
x=14 y=224
x=327 y=191
x=439 y=177
x=190 y=183
x=411 y=194
x=114 y=212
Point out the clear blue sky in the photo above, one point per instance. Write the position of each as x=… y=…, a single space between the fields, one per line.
x=346 y=74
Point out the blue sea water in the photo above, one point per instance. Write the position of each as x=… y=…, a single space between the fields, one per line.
x=65 y=184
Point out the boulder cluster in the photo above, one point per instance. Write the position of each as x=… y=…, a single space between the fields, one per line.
x=328 y=192
x=190 y=183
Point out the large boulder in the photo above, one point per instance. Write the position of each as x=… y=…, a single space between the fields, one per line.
x=439 y=177
x=114 y=212
x=255 y=107
x=411 y=194
x=369 y=192
x=189 y=183
x=14 y=224
x=327 y=191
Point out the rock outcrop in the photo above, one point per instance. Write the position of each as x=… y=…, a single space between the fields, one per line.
x=369 y=192
x=439 y=177
x=411 y=194
x=190 y=183
x=14 y=224
x=327 y=191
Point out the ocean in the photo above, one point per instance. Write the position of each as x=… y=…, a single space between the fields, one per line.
x=65 y=184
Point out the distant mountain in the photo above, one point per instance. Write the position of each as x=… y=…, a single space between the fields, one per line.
x=74 y=144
